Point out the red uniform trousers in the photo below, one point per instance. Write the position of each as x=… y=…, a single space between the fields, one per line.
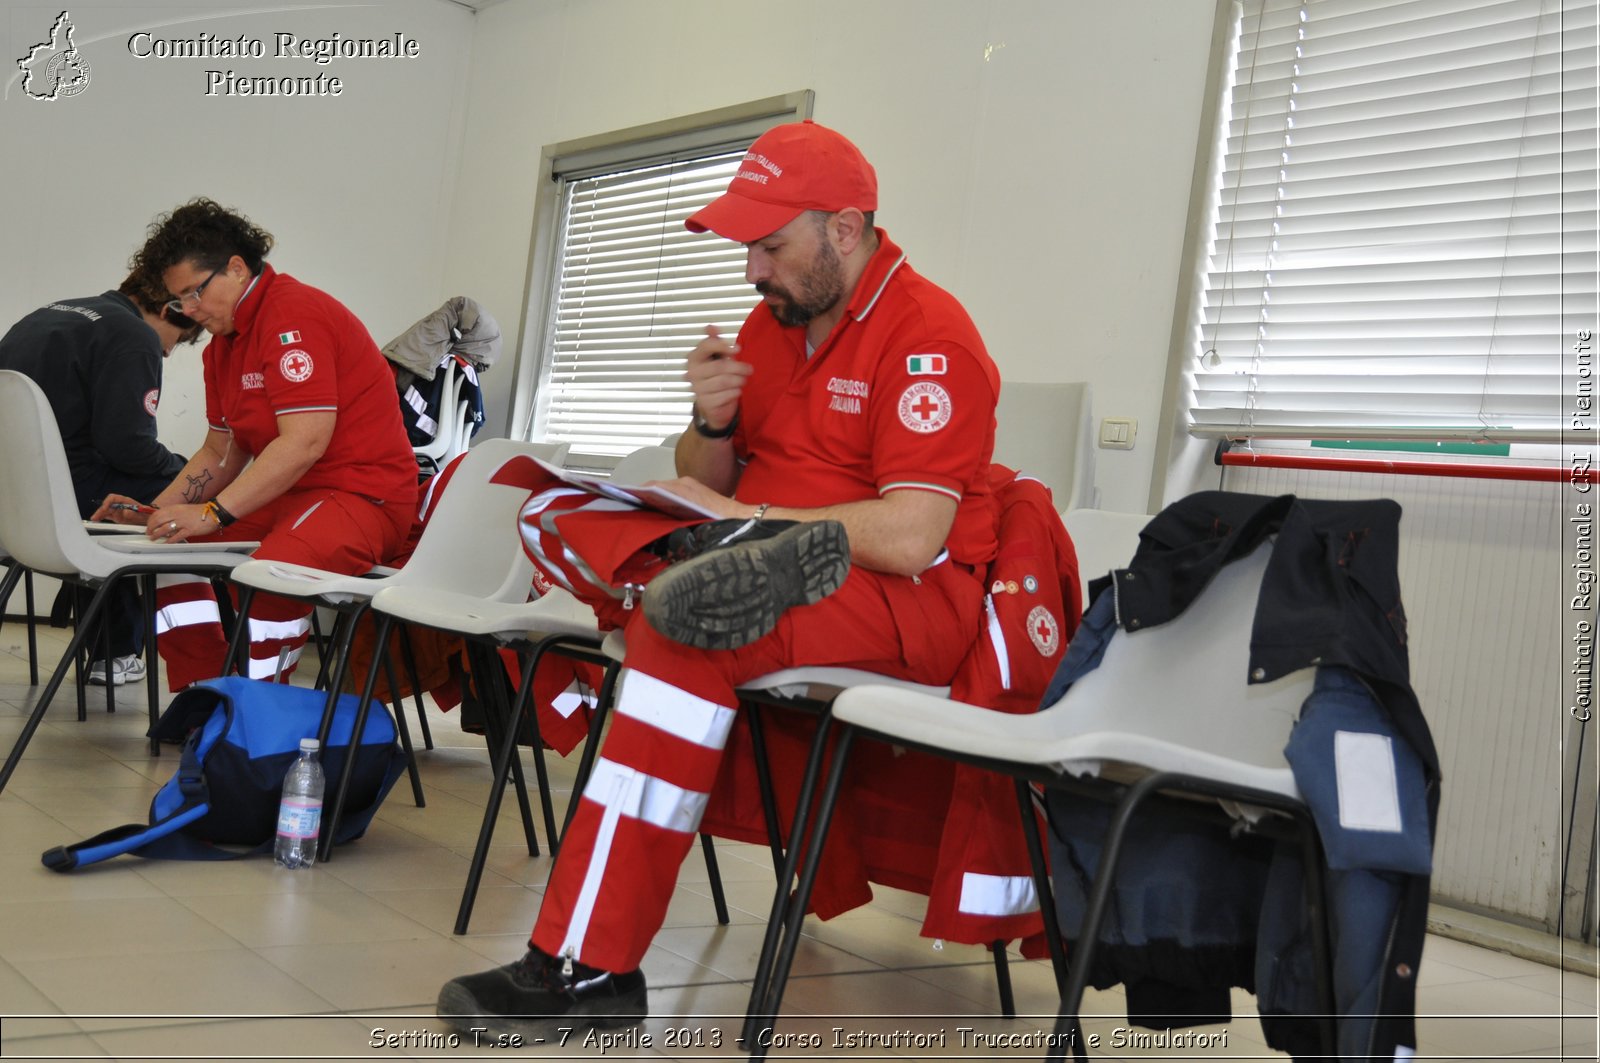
x=638 y=814
x=332 y=530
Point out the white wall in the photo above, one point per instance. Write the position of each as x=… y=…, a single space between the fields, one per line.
x=354 y=187
x=1034 y=156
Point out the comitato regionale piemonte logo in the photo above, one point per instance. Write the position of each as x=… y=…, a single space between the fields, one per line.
x=55 y=69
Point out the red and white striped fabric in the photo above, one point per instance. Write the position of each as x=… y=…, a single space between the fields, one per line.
x=331 y=530
x=638 y=815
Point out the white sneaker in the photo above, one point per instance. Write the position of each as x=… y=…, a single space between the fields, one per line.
x=129 y=669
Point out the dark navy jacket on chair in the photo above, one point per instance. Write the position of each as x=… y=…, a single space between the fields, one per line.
x=1195 y=910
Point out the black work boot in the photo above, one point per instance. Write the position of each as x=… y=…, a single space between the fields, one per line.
x=734 y=589
x=683 y=544
x=533 y=997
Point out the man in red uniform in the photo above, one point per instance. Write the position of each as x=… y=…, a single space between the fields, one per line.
x=305 y=449
x=859 y=402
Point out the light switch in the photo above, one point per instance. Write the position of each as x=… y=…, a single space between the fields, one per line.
x=1116 y=433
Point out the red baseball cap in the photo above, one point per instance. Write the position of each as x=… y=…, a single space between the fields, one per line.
x=790 y=169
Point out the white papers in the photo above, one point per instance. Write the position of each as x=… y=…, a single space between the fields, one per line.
x=102 y=527
x=656 y=498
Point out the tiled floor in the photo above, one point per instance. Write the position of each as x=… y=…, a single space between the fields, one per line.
x=149 y=960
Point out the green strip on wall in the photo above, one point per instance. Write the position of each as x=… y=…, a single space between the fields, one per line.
x=1418 y=446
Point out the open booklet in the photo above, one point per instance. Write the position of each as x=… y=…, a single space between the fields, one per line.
x=656 y=498
x=105 y=527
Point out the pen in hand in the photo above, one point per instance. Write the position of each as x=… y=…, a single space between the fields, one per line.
x=132 y=507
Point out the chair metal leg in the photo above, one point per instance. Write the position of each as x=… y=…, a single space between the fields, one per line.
x=80 y=636
x=1067 y=1019
x=591 y=744
x=504 y=752
x=318 y=637
x=409 y=656
x=764 y=1014
x=325 y=650
x=405 y=731
x=339 y=656
x=17 y=573
x=791 y=863
x=719 y=899
x=8 y=583
x=1041 y=884
x=505 y=759
x=1002 y=979
x=79 y=658
x=524 y=706
x=33 y=629
x=105 y=655
x=334 y=810
x=769 y=800
x=152 y=659
x=489 y=681
x=1312 y=863
x=233 y=662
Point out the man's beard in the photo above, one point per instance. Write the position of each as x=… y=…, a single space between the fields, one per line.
x=818 y=290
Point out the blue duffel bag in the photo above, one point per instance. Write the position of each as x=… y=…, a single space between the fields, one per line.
x=240 y=737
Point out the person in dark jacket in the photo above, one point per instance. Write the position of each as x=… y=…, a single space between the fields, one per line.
x=98 y=360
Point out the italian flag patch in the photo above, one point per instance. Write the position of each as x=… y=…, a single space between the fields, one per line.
x=287 y=338
x=926 y=364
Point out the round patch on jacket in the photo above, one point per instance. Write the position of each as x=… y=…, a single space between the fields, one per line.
x=541 y=582
x=295 y=366
x=152 y=399
x=925 y=407
x=1044 y=631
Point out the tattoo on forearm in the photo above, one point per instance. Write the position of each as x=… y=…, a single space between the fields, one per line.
x=196 y=490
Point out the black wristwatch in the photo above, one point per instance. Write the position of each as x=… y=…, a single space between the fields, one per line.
x=706 y=430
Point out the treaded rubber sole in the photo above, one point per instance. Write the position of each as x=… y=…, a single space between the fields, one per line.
x=457 y=1009
x=733 y=595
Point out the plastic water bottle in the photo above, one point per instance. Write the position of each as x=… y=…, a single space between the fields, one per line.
x=300 y=813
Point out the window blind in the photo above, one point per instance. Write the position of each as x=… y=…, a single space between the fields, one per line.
x=1403 y=237
x=634 y=292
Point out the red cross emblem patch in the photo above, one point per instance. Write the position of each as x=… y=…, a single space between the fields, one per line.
x=151 y=399
x=925 y=407
x=295 y=365
x=1044 y=631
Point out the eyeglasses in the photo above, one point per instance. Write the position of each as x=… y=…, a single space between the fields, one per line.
x=191 y=298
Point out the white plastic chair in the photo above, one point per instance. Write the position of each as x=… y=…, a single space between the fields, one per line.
x=470 y=547
x=646 y=463
x=1168 y=711
x=451 y=438
x=1046 y=430
x=40 y=526
x=556 y=622
x=1100 y=539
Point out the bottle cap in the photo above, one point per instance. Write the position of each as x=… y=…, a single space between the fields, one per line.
x=309 y=745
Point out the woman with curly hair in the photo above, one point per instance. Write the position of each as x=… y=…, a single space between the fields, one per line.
x=304 y=448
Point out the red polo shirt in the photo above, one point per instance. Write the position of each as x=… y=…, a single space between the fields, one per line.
x=900 y=396
x=295 y=349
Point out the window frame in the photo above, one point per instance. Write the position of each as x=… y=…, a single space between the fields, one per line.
x=1183 y=458
x=706 y=131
